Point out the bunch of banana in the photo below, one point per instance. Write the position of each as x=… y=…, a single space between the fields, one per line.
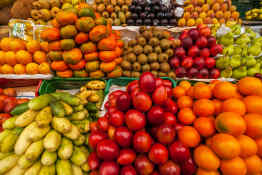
x=47 y=136
x=254 y=14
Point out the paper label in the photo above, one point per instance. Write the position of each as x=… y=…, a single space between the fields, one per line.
x=19 y=30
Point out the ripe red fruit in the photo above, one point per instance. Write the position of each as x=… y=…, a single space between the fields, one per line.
x=94 y=127
x=205 y=53
x=135 y=120
x=123 y=102
x=109 y=168
x=170 y=119
x=192 y=72
x=169 y=91
x=175 y=62
x=103 y=123
x=123 y=136
x=132 y=85
x=147 y=82
x=199 y=62
x=180 y=52
x=159 y=82
x=187 y=42
x=216 y=49
x=188 y=167
x=179 y=153
x=205 y=31
x=211 y=41
x=167 y=83
x=201 y=42
x=116 y=118
x=171 y=106
x=180 y=72
x=169 y=168
x=158 y=154
x=155 y=173
x=165 y=134
x=155 y=115
x=160 y=95
x=178 y=126
x=215 y=73
x=193 y=51
x=142 y=101
x=187 y=62
x=193 y=33
x=111 y=110
x=210 y=62
x=204 y=73
x=142 y=141
x=184 y=34
x=126 y=157
x=111 y=132
x=93 y=161
x=95 y=138
x=143 y=165
x=128 y=170
x=107 y=150
x=135 y=92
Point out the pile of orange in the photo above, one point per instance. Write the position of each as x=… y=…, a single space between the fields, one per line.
x=21 y=57
x=223 y=125
x=208 y=12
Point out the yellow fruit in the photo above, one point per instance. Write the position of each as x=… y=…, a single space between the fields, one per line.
x=44 y=68
x=32 y=68
x=7 y=69
x=19 y=69
x=191 y=22
x=181 y=22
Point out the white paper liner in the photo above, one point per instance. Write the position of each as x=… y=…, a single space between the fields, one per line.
x=36 y=76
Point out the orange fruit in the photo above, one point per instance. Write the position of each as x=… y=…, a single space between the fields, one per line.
x=230 y=123
x=187 y=15
x=202 y=91
x=224 y=7
x=33 y=46
x=186 y=116
x=189 y=136
x=199 y=21
x=218 y=106
x=185 y=84
x=181 y=22
x=190 y=92
x=191 y=22
x=205 y=7
x=40 y=57
x=44 y=68
x=205 y=158
x=17 y=45
x=254 y=164
x=248 y=146
x=179 y=91
x=204 y=107
x=185 y=102
x=205 y=126
x=224 y=90
x=10 y=58
x=5 y=44
x=227 y=14
x=7 y=69
x=32 y=68
x=235 y=15
x=234 y=105
x=253 y=104
x=222 y=141
x=216 y=6
x=23 y=57
x=2 y=57
x=259 y=146
x=44 y=46
x=201 y=171
x=208 y=142
x=235 y=166
x=19 y=69
x=249 y=85
x=254 y=125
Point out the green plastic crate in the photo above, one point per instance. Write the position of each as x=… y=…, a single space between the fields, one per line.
x=49 y=86
x=123 y=81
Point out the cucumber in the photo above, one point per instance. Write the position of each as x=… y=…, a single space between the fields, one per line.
x=20 y=109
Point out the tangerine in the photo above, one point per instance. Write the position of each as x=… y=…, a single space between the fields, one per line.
x=224 y=90
x=17 y=44
x=218 y=106
x=10 y=58
x=189 y=136
x=254 y=125
x=202 y=91
x=201 y=171
x=234 y=105
x=185 y=84
x=19 y=69
x=259 y=146
x=44 y=68
x=254 y=164
x=32 y=68
x=235 y=166
x=204 y=107
x=179 y=91
x=7 y=69
x=40 y=57
x=248 y=146
x=33 y=46
x=185 y=102
x=5 y=44
x=23 y=57
x=249 y=85
x=205 y=126
x=2 y=57
x=186 y=116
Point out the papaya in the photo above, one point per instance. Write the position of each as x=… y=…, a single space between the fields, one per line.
x=92 y=66
x=67 y=44
x=85 y=24
x=50 y=34
x=97 y=33
x=78 y=66
x=88 y=47
x=68 y=32
x=91 y=56
x=80 y=73
x=107 y=67
x=72 y=56
x=96 y=74
x=59 y=65
x=55 y=55
x=66 y=18
x=65 y=74
x=86 y=12
x=100 y=21
x=54 y=46
x=107 y=56
x=81 y=38
x=115 y=73
x=107 y=44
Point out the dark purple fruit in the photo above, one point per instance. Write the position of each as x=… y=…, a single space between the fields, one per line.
x=148 y=22
x=169 y=15
x=143 y=15
x=130 y=22
x=147 y=9
x=139 y=22
x=143 y=3
x=138 y=9
x=156 y=8
x=155 y=2
x=135 y=2
x=164 y=22
x=134 y=16
x=172 y=22
x=156 y=22
x=164 y=8
x=159 y=15
x=151 y=15
x=132 y=8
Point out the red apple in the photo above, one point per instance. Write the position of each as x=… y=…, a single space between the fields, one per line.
x=103 y=123
x=180 y=72
x=205 y=31
x=126 y=157
x=199 y=62
x=132 y=85
x=215 y=73
x=188 y=167
x=158 y=154
x=107 y=150
x=169 y=168
x=180 y=52
x=194 y=34
x=178 y=126
x=142 y=141
x=128 y=170
x=204 y=52
x=204 y=73
x=147 y=82
x=160 y=95
x=143 y=165
x=116 y=118
x=179 y=153
x=135 y=120
x=94 y=127
x=211 y=41
x=171 y=106
x=109 y=168
x=155 y=115
x=170 y=119
x=216 y=49
x=193 y=51
x=175 y=62
x=187 y=42
x=184 y=34
x=165 y=134
x=192 y=72
x=201 y=42
x=93 y=161
x=187 y=62
x=96 y=137
x=169 y=91
x=210 y=62
x=142 y=101
x=123 y=136
x=159 y=82
x=123 y=102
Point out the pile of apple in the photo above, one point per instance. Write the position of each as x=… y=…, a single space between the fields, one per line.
x=137 y=136
x=196 y=56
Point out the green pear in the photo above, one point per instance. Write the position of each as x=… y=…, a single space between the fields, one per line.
x=254 y=50
x=240 y=72
x=222 y=62
x=244 y=51
x=227 y=73
x=251 y=61
x=227 y=39
x=237 y=50
x=235 y=61
x=253 y=70
x=236 y=29
x=229 y=50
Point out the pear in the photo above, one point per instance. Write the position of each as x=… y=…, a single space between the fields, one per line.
x=254 y=50
x=253 y=70
x=235 y=61
x=227 y=39
x=251 y=61
x=240 y=72
x=229 y=50
x=237 y=50
x=222 y=62
x=236 y=29
x=244 y=51
x=243 y=39
x=227 y=73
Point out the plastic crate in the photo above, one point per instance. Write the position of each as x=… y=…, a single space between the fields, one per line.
x=123 y=81
x=49 y=86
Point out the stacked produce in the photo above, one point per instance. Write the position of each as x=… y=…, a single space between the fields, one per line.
x=208 y=12
x=82 y=45
x=155 y=12
x=241 y=53
x=115 y=11
x=47 y=137
x=196 y=57
x=254 y=14
x=21 y=57
x=150 y=51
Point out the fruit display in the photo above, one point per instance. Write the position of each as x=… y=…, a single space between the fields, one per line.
x=208 y=12
x=149 y=51
x=155 y=12
x=47 y=137
x=254 y=14
x=22 y=57
x=241 y=52
x=23 y=29
x=196 y=56
x=115 y=11
x=82 y=45
x=138 y=133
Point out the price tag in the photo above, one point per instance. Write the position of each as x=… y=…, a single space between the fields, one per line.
x=19 y=30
